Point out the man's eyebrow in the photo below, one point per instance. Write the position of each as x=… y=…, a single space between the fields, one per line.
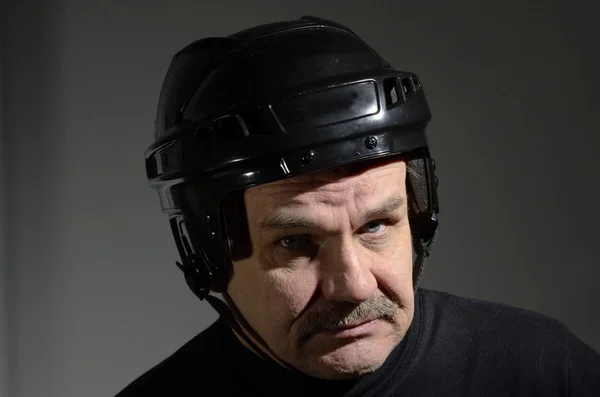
x=387 y=208
x=282 y=221
x=285 y=221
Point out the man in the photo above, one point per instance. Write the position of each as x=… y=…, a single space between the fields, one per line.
x=293 y=164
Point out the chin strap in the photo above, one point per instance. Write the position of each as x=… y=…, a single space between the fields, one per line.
x=232 y=316
x=227 y=310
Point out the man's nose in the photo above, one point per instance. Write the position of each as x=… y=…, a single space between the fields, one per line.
x=345 y=268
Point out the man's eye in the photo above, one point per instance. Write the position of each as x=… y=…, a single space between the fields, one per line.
x=374 y=226
x=292 y=242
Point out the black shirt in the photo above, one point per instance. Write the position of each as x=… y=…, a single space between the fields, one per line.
x=454 y=347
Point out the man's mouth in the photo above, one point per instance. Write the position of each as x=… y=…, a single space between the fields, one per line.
x=354 y=330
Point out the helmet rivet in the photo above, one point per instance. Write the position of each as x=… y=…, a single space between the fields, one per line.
x=371 y=142
x=307 y=157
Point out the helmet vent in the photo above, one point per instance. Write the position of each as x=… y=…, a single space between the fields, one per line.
x=392 y=97
x=408 y=86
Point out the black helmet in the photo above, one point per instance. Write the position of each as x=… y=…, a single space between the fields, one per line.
x=272 y=102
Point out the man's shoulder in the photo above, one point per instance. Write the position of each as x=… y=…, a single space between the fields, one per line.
x=494 y=317
x=500 y=335
x=199 y=358
x=495 y=322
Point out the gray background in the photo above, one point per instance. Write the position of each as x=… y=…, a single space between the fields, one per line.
x=89 y=295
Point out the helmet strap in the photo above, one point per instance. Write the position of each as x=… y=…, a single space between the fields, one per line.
x=232 y=316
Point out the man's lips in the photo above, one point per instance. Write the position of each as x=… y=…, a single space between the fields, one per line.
x=353 y=330
x=354 y=325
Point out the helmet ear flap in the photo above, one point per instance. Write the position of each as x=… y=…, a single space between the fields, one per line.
x=421 y=189
x=196 y=271
x=207 y=263
x=421 y=186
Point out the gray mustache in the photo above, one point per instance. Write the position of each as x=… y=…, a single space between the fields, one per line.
x=342 y=314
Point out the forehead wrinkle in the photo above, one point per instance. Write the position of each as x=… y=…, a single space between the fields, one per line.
x=313 y=214
x=329 y=213
x=304 y=191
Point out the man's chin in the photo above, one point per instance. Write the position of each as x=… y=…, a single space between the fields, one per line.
x=347 y=361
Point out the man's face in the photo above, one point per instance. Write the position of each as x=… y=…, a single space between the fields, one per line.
x=329 y=253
